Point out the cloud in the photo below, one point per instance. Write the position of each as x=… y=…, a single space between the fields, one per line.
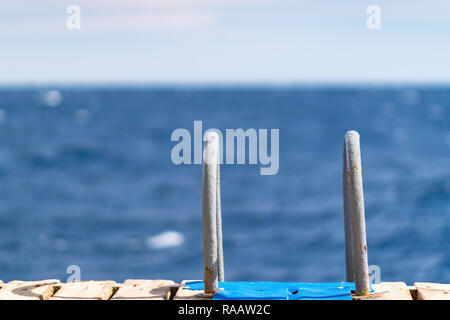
x=23 y=17
x=96 y=21
x=172 y=3
x=49 y=16
x=148 y=21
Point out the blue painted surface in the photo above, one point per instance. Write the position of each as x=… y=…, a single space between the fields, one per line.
x=244 y=290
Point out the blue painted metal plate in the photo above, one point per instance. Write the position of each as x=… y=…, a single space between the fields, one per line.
x=243 y=290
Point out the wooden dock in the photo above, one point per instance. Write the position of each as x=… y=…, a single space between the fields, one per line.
x=169 y=290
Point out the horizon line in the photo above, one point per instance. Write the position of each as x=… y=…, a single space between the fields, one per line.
x=222 y=84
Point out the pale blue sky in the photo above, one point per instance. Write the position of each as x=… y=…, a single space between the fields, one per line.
x=225 y=41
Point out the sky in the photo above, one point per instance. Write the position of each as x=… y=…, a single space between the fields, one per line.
x=224 y=42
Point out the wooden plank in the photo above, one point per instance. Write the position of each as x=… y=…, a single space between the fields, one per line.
x=392 y=291
x=28 y=290
x=133 y=289
x=85 y=290
x=186 y=294
x=432 y=291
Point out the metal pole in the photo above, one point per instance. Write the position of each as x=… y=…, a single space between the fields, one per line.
x=209 y=208
x=356 y=210
x=220 y=267
x=350 y=275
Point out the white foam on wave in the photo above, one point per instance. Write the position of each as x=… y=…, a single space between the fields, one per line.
x=166 y=239
x=52 y=98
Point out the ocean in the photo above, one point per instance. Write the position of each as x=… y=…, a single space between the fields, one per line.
x=86 y=179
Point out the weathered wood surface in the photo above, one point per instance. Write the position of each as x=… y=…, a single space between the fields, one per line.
x=144 y=290
x=28 y=290
x=85 y=290
x=187 y=294
x=432 y=291
x=391 y=291
x=168 y=290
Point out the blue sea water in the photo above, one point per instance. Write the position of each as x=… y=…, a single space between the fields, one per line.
x=89 y=181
